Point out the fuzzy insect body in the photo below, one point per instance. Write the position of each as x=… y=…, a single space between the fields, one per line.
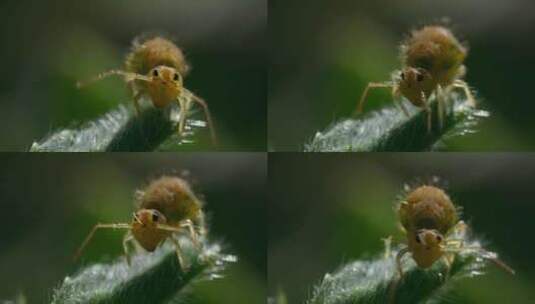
x=164 y=62
x=172 y=196
x=436 y=50
x=432 y=62
x=148 y=53
x=167 y=208
x=428 y=207
x=154 y=69
x=434 y=231
x=427 y=216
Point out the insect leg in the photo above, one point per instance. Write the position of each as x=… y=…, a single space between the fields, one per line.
x=427 y=109
x=464 y=86
x=127 y=238
x=400 y=255
x=455 y=243
x=178 y=253
x=199 y=224
x=503 y=266
x=459 y=230
x=441 y=105
x=169 y=228
x=388 y=246
x=457 y=246
x=184 y=105
x=136 y=102
x=95 y=228
x=204 y=105
x=364 y=96
x=189 y=225
x=491 y=256
x=127 y=75
x=185 y=224
x=396 y=279
x=448 y=260
x=397 y=98
x=135 y=97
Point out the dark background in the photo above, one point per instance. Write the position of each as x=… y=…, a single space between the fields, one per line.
x=325 y=52
x=49 y=45
x=50 y=203
x=329 y=209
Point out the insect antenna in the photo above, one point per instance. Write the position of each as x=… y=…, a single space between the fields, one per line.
x=493 y=257
x=127 y=75
x=95 y=228
x=488 y=255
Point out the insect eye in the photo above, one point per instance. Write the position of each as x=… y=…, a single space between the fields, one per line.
x=439 y=238
x=420 y=77
x=402 y=76
x=175 y=78
x=155 y=73
x=418 y=239
x=155 y=217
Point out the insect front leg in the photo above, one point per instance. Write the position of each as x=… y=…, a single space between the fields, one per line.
x=127 y=75
x=371 y=85
x=207 y=115
x=178 y=253
x=454 y=244
x=95 y=228
x=464 y=86
x=392 y=289
x=457 y=245
x=193 y=234
x=127 y=239
x=135 y=97
x=185 y=224
x=459 y=230
x=448 y=259
x=396 y=95
x=388 y=246
x=184 y=108
x=399 y=265
x=488 y=255
x=427 y=109
x=441 y=106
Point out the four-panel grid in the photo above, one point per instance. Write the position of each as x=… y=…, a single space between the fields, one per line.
x=256 y=151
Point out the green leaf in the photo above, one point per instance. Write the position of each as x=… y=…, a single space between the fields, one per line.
x=376 y=281
x=151 y=278
x=391 y=130
x=122 y=130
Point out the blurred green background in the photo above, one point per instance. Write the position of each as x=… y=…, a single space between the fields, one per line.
x=50 y=203
x=49 y=45
x=325 y=52
x=329 y=209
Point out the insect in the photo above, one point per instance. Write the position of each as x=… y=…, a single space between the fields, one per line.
x=432 y=62
x=434 y=231
x=155 y=68
x=426 y=215
x=167 y=208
